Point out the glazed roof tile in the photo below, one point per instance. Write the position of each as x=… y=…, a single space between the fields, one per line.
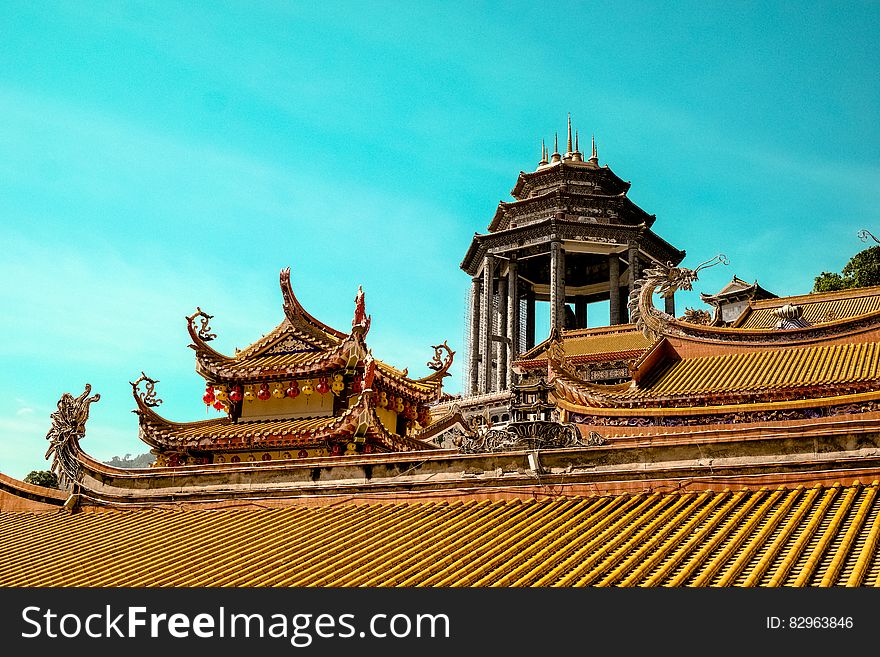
x=593 y=344
x=836 y=364
x=821 y=536
x=817 y=308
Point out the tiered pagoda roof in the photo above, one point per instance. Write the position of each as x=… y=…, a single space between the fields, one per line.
x=573 y=198
x=369 y=406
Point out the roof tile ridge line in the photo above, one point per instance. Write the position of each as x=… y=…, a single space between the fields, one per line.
x=293 y=308
x=360 y=406
x=724 y=333
x=319 y=361
x=587 y=358
x=815 y=297
x=614 y=329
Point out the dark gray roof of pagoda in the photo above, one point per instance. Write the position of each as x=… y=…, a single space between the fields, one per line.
x=544 y=231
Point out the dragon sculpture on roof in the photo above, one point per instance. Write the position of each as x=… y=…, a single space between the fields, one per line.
x=68 y=428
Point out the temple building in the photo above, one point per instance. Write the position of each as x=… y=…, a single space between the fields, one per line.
x=570 y=237
x=733 y=445
x=303 y=390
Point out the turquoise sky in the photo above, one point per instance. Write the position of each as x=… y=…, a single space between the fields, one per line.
x=157 y=156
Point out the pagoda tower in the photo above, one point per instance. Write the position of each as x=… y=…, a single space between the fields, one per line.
x=570 y=237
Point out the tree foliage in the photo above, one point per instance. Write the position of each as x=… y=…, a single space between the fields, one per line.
x=42 y=478
x=863 y=270
x=129 y=461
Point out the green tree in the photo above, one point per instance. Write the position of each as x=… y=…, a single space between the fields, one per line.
x=42 y=478
x=862 y=270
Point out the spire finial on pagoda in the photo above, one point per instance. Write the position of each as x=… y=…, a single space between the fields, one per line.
x=543 y=154
x=594 y=158
x=577 y=156
x=555 y=157
x=568 y=149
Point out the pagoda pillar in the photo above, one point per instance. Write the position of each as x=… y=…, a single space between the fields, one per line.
x=669 y=303
x=502 y=332
x=476 y=308
x=530 y=317
x=557 y=286
x=512 y=319
x=634 y=272
x=614 y=289
x=486 y=325
x=580 y=312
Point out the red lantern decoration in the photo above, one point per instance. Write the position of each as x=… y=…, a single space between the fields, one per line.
x=208 y=397
x=263 y=393
x=356 y=385
x=336 y=450
x=323 y=386
x=219 y=405
x=236 y=394
x=292 y=390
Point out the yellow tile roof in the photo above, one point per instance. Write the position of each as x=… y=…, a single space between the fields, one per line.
x=822 y=536
x=227 y=429
x=591 y=344
x=836 y=364
x=817 y=308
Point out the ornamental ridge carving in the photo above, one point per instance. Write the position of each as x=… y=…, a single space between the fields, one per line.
x=147 y=396
x=68 y=428
x=538 y=434
x=727 y=418
x=439 y=363
x=664 y=280
x=204 y=330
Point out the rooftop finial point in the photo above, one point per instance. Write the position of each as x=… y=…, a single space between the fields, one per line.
x=568 y=150
x=543 y=154
x=577 y=156
x=555 y=157
x=594 y=157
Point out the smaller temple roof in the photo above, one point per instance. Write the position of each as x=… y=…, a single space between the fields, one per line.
x=817 y=308
x=621 y=342
x=736 y=290
x=302 y=346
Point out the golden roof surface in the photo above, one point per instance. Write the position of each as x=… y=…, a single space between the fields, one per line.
x=820 y=536
x=817 y=308
x=592 y=343
x=225 y=429
x=836 y=364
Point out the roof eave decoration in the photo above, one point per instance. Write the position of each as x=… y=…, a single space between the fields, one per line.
x=439 y=365
x=667 y=279
x=344 y=355
x=202 y=334
x=296 y=313
x=68 y=428
x=568 y=385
